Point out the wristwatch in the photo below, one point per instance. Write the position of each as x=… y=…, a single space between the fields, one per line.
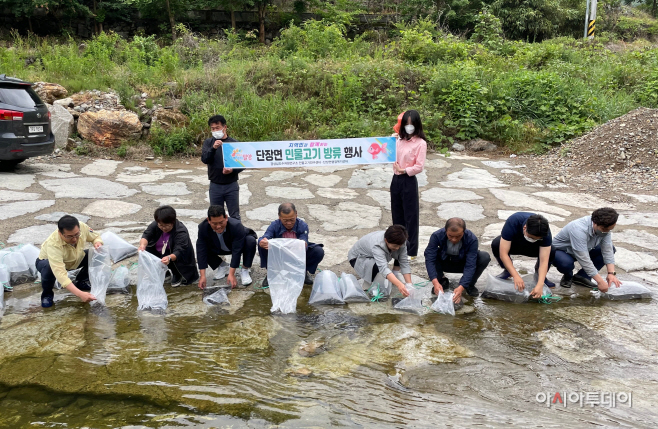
x=614 y=273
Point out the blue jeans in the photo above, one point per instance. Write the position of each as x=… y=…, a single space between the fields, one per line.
x=314 y=255
x=48 y=278
x=564 y=262
x=229 y=194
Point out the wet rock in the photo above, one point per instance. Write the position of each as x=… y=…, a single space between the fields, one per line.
x=311 y=348
x=302 y=372
x=62 y=123
x=49 y=92
x=109 y=128
x=479 y=145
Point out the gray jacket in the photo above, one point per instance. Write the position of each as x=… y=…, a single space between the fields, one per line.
x=578 y=238
x=371 y=249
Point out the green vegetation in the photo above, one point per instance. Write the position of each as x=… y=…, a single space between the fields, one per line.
x=315 y=82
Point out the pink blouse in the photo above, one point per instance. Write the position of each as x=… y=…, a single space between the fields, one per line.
x=411 y=155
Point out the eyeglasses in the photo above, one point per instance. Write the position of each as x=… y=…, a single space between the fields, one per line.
x=71 y=237
x=165 y=225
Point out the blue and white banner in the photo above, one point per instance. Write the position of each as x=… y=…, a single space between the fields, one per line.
x=309 y=153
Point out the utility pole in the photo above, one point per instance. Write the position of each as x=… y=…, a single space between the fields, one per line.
x=590 y=18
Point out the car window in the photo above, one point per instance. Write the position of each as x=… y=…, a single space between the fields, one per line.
x=18 y=96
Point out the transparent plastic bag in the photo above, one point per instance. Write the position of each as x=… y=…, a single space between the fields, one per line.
x=216 y=297
x=72 y=275
x=627 y=290
x=151 y=273
x=286 y=269
x=120 y=281
x=100 y=273
x=119 y=248
x=444 y=304
x=4 y=281
x=414 y=302
x=380 y=288
x=504 y=290
x=325 y=289
x=351 y=289
x=19 y=270
x=31 y=254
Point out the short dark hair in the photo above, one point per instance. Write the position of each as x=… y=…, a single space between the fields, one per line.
x=415 y=121
x=455 y=223
x=396 y=234
x=605 y=217
x=165 y=214
x=216 y=211
x=286 y=208
x=67 y=222
x=537 y=225
x=217 y=119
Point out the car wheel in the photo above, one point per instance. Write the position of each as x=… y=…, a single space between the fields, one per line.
x=10 y=164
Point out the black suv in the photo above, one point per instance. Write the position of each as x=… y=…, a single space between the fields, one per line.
x=25 y=129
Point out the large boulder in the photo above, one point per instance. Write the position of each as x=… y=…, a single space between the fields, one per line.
x=49 y=92
x=109 y=128
x=62 y=124
x=479 y=145
x=168 y=118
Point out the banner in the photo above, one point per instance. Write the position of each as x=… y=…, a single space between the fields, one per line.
x=309 y=153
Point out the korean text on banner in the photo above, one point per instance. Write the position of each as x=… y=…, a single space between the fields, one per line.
x=310 y=153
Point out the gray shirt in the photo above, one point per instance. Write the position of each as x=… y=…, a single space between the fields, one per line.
x=221 y=241
x=578 y=238
x=453 y=249
x=373 y=246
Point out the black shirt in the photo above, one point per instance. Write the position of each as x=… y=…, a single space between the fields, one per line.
x=214 y=158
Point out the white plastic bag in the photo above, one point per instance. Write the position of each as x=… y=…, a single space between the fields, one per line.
x=151 y=273
x=31 y=254
x=18 y=268
x=72 y=275
x=4 y=281
x=414 y=302
x=119 y=248
x=504 y=290
x=627 y=290
x=120 y=281
x=286 y=269
x=380 y=288
x=218 y=297
x=325 y=289
x=351 y=289
x=444 y=304
x=100 y=273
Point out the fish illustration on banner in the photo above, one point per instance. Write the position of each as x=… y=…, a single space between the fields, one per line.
x=310 y=153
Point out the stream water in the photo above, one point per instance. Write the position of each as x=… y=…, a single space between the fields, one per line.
x=355 y=365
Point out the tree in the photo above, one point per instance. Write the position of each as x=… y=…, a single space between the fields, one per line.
x=261 y=6
x=55 y=8
x=173 y=7
x=229 y=5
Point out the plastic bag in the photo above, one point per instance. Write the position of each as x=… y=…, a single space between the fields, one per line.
x=151 y=273
x=444 y=304
x=119 y=248
x=4 y=281
x=100 y=273
x=351 y=289
x=72 y=275
x=120 y=281
x=627 y=290
x=18 y=268
x=380 y=288
x=325 y=289
x=216 y=297
x=31 y=254
x=414 y=302
x=286 y=269
x=504 y=290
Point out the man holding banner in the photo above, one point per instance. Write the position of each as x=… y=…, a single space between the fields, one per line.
x=224 y=186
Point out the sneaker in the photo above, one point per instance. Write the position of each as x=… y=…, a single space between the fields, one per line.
x=265 y=283
x=549 y=283
x=176 y=280
x=504 y=275
x=46 y=302
x=584 y=281
x=246 y=278
x=566 y=282
x=8 y=287
x=222 y=271
x=308 y=280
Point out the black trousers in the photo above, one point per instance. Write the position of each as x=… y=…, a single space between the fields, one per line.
x=453 y=264
x=248 y=254
x=524 y=248
x=405 y=208
x=48 y=278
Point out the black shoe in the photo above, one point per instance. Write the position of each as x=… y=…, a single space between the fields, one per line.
x=473 y=291
x=549 y=283
x=167 y=277
x=308 y=280
x=265 y=283
x=445 y=284
x=83 y=285
x=566 y=282
x=584 y=281
x=46 y=302
x=176 y=280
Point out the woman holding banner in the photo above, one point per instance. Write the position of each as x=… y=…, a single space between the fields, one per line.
x=411 y=150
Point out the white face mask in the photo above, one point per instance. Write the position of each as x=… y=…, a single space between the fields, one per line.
x=218 y=134
x=531 y=240
x=409 y=129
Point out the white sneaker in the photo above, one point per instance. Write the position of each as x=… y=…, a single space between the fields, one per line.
x=246 y=278
x=222 y=271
